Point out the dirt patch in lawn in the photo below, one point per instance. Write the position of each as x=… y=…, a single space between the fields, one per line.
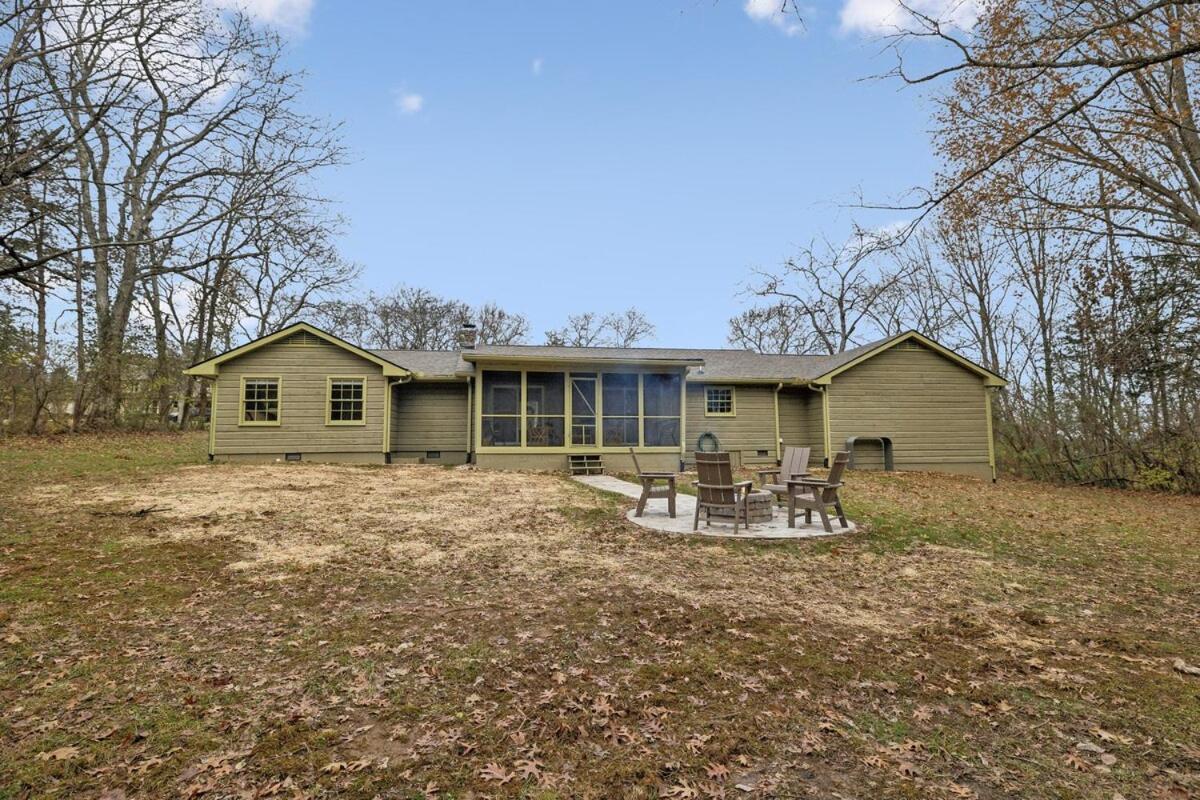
x=311 y=514
x=437 y=521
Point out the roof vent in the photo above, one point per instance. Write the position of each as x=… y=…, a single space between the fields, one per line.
x=304 y=339
x=467 y=336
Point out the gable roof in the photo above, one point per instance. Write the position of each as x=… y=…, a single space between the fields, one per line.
x=732 y=365
x=703 y=364
x=837 y=364
x=429 y=364
x=210 y=367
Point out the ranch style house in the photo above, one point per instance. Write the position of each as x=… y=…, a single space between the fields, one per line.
x=904 y=402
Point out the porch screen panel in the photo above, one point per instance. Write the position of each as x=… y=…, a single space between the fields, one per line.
x=501 y=420
x=660 y=423
x=545 y=409
x=619 y=406
x=583 y=409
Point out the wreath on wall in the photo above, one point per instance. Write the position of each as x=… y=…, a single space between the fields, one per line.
x=708 y=442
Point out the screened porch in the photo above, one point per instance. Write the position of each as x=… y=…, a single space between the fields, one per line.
x=560 y=410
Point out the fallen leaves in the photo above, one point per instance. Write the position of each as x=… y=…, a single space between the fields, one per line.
x=59 y=754
x=1184 y=668
x=582 y=657
x=336 y=767
x=681 y=791
x=1078 y=764
x=527 y=768
x=495 y=773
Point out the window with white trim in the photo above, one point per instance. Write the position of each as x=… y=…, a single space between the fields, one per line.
x=718 y=401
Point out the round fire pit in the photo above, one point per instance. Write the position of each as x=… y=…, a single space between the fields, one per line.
x=761 y=508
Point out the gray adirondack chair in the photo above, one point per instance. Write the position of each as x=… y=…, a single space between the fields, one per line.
x=814 y=494
x=717 y=489
x=794 y=464
x=651 y=487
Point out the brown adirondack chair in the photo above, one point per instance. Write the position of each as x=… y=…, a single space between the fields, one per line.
x=794 y=464
x=650 y=487
x=717 y=489
x=814 y=494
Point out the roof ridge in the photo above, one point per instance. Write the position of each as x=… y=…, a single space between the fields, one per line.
x=620 y=347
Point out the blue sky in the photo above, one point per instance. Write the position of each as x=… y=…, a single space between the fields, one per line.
x=560 y=157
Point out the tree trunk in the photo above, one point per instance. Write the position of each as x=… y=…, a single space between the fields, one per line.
x=40 y=353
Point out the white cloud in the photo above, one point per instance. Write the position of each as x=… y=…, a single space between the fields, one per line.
x=782 y=14
x=536 y=66
x=408 y=102
x=875 y=17
x=289 y=16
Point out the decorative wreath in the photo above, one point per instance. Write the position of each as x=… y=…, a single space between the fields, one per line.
x=708 y=443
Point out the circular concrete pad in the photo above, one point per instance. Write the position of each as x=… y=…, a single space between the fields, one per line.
x=656 y=519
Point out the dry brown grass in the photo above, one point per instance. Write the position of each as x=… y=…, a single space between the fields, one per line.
x=410 y=631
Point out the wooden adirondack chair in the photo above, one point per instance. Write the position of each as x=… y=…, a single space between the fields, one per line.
x=717 y=489
x=813 y=494
x=650 y=487
x=794 y=464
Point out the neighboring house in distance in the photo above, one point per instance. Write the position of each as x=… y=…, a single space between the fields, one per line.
x=303 y=393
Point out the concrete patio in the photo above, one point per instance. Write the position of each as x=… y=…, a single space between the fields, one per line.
x=655 y=516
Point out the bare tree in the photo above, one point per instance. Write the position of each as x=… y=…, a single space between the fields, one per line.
x=834 y=287
x=589 y=329
x=290 y=275
x=162 y=115
x=497 y=326
x=975 y=283
x=778 y=328
x=628 y=328
x=581 y=330
x=417 y=319
x=35 y=139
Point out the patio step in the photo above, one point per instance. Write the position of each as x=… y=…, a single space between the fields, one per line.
x=585 y=463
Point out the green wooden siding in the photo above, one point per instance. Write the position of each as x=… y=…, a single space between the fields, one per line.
x=429 y=416
x=752 y=429
x=800 y=421
x=933 y=410
x=303 y=364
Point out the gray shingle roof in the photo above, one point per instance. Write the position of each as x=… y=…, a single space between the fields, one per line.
x=428 y=363
x=710 y=364
x=587 y=353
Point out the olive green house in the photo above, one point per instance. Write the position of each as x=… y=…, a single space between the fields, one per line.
x=904 y=402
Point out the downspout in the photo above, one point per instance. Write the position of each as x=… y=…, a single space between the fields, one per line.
x=987 y=410
x=828 y=426
x=470 y=408
x=212 y=422
x=778 y=439
x=387 y=416
x=824 y=421
x=683 y=420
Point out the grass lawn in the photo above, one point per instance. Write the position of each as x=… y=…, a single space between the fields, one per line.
x=173 y=628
